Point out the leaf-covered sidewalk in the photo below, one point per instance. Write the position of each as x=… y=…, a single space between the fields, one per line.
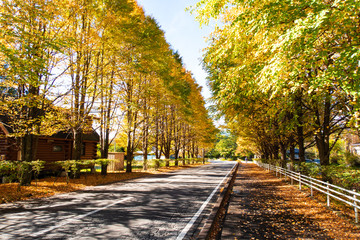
x=264 y=207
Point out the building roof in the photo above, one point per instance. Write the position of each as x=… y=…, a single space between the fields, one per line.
x=88 y=136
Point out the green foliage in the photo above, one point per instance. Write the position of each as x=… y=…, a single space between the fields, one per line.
x=37 y=166
x=338 y=152
x=17 y=171
x=225 y=146
x=103 y=161
x=118 y=148
x=342 y=176
x=349 y=179
x=6 y=167
x=310 y=169
x=275 y=162
x=157 y=163
x=339 y=175
x=73 y=167
x=67 y=166
x=104 y=164
x=8 y=170
x=351 y=159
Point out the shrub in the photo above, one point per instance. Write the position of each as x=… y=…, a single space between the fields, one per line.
x=103 y=163
x=352 y=159
x=20 y=171
x=8 y=170
x=68 y=166
x=343 y=176
x=37 y=166
x=72 y=167
x=310 y=169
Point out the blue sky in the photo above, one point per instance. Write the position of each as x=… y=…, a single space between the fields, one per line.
x=182 y=32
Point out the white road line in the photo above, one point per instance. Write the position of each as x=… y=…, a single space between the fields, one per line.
x=198 y=213
x=65 y=222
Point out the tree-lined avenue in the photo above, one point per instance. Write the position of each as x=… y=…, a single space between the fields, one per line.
x=158 y=207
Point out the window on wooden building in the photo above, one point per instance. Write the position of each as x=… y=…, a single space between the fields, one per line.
x=57 y=148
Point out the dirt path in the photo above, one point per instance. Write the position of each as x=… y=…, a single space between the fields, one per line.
x=265 y=207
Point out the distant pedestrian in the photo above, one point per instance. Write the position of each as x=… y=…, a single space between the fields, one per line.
x=246 y=159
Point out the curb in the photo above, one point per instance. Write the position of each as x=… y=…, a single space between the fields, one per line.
x=212 y=227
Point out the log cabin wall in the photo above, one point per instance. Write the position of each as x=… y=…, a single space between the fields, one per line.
x=3 y=144
x=7 y=147
x=90 y=151
x=3 y=148
x=52 y=150
x=49 y=149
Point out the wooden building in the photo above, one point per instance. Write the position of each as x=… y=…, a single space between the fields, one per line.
x=57 y=147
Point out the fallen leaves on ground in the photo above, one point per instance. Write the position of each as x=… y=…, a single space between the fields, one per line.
x=50 y=186
x=265 y=207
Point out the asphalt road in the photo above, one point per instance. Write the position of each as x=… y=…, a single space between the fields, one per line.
x=168 y=206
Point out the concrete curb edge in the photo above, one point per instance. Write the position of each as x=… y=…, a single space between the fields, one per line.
x=211 y=229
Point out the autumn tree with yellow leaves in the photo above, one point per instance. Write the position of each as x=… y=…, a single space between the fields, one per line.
x=67 y=63
x=288 y=70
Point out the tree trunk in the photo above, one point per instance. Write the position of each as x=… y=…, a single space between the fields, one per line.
x=157 y=133
x=28 y=153
x=322 y=137
x=129 y=158
x=104 y=155
x=300 y=128
x=77 y=144
x=176 y=158
x=292 y=155
x=145 y=149
x=167 y=158
x=283 y=154
x=145 y=142
x=275 y=151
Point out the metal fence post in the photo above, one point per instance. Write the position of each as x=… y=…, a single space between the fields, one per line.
x=311 y=189
x=285 y=173
x=299 y=181
x=355 y=209
x=276 y=171
x=327 y=195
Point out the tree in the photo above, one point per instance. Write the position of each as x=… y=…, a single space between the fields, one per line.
x=31 y=44
x=225 y=145
x=275 y=51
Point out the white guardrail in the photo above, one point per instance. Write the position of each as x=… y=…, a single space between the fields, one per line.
x=349 y=197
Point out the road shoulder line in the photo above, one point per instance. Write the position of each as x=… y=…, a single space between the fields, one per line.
x=201 y=209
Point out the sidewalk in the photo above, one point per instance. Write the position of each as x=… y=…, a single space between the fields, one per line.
x=264 y=207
